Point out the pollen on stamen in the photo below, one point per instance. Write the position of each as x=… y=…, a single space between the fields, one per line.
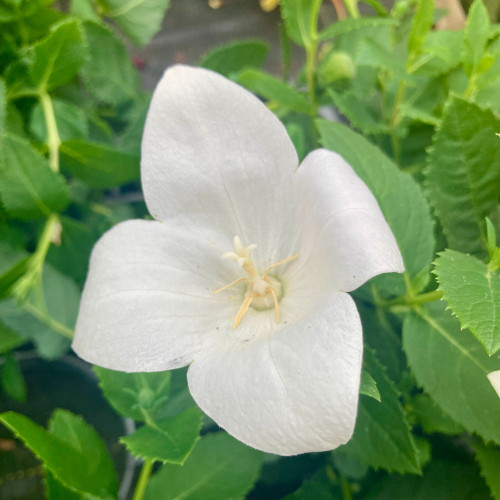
x=264 y=291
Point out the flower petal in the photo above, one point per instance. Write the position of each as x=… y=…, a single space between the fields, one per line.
x=214 y=155
x=291 y=392
x=148 y=303
x=349 y=225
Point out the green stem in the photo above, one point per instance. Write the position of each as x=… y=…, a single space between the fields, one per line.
x=311 y=50
x=52 y=323
x=53 y=139
x=352 y=8
x=346 y=488
x=34 y=271
x=142 y=482
x=415 y=300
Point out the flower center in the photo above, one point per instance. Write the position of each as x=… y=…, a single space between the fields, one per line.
x=264 y=291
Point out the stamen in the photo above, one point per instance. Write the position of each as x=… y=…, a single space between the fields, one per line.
x=284 y=261
x=243 y=309
x=260 y=285
x=231 y=284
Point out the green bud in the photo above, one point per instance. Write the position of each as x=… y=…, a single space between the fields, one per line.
x=336 y=66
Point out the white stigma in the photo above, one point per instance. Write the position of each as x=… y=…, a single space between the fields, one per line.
x=263 y=291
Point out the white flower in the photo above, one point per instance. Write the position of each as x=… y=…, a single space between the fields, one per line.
x=216 y=163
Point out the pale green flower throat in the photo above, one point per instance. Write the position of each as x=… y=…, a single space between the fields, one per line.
x=263 y=291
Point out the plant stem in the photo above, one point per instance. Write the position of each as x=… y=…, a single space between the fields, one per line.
x=53 y=139
x=311 y=46
x=142 y=482
x=346 y=488
x=352 y=8
x=415 y=300
x=34 y=271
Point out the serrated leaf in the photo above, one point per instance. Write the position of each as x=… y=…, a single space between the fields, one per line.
x=275 y=90
x=369 y=386
x=68 y=464
x=232 y=57
x=28 y=187
x=432 y=418
x=357 y=112
x=109 y=74
x=420 y=26
x=476 y=36
x=382 y=436
x=55 y=60
x=169 y=440
x=135 y=395
x=99 y=165
x=440 y=481
x=398 y=196
x=139 y=19
x=442 y=45
x=352 y=24
x=374 y=55
x=84 y=9
x=318 y=487
x=13 y=382
x=463 y=173
x=452 y=368
x=205 y=473
x=488 y=458
x=74 y=431
x=472 y=292
x=297 y=17
x=71 y=121
x=48 y=316
x=55 y=490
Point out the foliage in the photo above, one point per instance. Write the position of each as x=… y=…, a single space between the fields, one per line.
x=419 y=124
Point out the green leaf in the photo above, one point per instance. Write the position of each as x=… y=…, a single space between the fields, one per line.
x=356 y=111
x=420 y=26
x=9 y=340
x=139 y=19
x=442 y=45
x=491 y=238
x=75 y=432
x=12 y=379
x=98 y=165
x=398 y=196
x=28 y=187
x=169 y=440
x=488 y=458
x=476 y=36
x=382 y=435
x=69 y=464
x=431 y=418
x=205 y=473
x=109 y=74
x=135 y=395
x=452 y=368
x=472 y=292
x=55 y=60
x=84 y=9
x=440 y=481
x=318 y=487
x=71 y=256
x=272 y=89
x=71 y=121
x=297 y=17
x=55 y=490
x=374 y=55
x=3 y=106
x=9 y=278
x=48 y=316
x=369 y=386
x=232 y=57
x=463 y=173
x=352 y=24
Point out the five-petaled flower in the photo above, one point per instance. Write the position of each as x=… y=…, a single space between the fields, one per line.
x=275 y=355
